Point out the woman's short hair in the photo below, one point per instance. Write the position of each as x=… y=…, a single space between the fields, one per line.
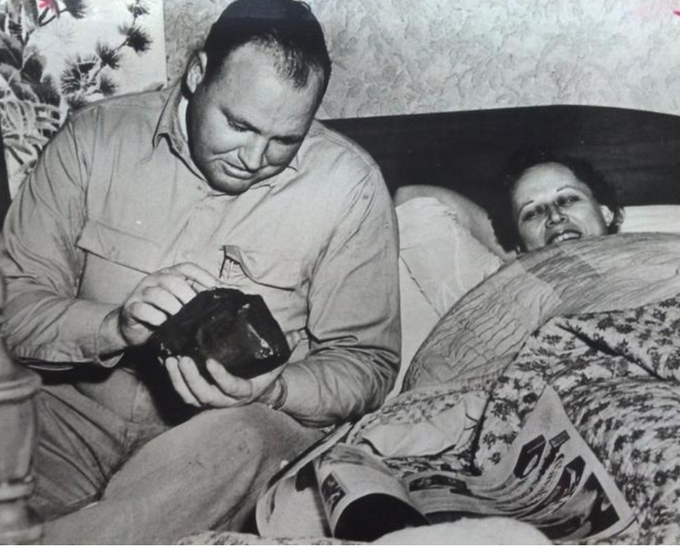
x=501 y=214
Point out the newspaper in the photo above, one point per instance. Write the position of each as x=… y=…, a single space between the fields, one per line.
x=549 y=478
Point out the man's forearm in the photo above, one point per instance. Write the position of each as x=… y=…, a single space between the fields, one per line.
x=354 y=315
x=43 y=328
x=339 y=384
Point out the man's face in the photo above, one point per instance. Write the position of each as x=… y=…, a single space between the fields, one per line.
x=550 y=205
x=245 y=123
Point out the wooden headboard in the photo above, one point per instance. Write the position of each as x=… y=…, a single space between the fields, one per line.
x=638 y=151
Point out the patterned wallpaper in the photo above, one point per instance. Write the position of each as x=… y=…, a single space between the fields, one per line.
x=407 y=56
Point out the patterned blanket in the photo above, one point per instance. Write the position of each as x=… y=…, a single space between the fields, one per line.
x=597 y=320
x=485 y=330
x=617 y=374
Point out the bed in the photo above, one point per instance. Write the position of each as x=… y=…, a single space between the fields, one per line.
x=596 y=320
x=464 y=151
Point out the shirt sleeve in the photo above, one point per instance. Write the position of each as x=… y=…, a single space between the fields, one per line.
x=43 y=320
x=354 y=321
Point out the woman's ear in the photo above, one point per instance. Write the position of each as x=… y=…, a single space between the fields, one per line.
x=195 y=73
x=607 y=214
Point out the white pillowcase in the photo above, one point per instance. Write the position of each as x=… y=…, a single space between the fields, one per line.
x=440 y=261
x=441 y=255
x=653 y=219
x=418 y=318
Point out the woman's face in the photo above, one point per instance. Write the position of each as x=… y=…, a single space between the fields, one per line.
x=550 y=205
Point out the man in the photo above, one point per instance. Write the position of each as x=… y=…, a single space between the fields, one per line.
x=139 y=203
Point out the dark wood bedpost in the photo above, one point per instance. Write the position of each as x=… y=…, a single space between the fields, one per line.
x=18 y=430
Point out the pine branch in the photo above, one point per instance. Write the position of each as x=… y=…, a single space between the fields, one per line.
x=107 y=87
x=76 y=8
x=55 y=16
x=138 y=39
x=138 y=8
x=109 y=56
x=76 y=102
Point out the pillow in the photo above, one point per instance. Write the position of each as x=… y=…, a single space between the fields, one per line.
x=441 y=255
x=655 y=219
x=439 y=261
x=466 y=212
x=418 y=318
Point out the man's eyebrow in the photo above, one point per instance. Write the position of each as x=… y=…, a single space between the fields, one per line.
x=294 y=137
x=240 y=121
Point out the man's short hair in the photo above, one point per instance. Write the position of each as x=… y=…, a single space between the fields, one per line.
x=524 y=158
x=287 y=27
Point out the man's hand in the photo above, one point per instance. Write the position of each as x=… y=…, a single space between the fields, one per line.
x=224 y=390
x=158 y=296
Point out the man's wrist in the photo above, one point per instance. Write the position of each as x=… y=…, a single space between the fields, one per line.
x=275 y=396
x=109 y=339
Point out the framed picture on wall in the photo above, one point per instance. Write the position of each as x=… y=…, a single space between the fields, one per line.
x=58 y=55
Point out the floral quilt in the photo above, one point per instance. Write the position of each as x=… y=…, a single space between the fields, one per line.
x=617 y=374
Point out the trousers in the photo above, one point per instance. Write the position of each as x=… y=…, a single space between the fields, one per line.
x=116 y=465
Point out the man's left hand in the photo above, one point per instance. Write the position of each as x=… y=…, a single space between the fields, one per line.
x=226 y=390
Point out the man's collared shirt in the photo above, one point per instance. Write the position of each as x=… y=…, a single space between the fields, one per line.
x=116 y=196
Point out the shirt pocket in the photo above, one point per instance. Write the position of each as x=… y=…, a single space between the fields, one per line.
x=263 y=268
x=116 y=261
x=278 y=277
x=120 y=246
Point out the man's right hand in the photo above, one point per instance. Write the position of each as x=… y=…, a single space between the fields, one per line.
x=157 y=296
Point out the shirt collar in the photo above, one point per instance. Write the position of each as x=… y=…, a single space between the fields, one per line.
x=168 y=122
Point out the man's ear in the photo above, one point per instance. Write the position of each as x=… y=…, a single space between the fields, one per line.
x=607 y=214
x=195 y=71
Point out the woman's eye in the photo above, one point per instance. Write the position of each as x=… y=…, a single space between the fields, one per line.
x=566 y=200
x=532 y=214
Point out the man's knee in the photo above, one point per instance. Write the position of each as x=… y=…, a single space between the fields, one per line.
x=253 y=431
x=236 y=448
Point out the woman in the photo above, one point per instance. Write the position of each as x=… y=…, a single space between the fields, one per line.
x=613 y=362
x=550 y=199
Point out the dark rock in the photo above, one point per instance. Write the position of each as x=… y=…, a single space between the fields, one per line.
x=234 y=328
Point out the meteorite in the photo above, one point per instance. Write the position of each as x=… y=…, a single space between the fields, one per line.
x=232 y=327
